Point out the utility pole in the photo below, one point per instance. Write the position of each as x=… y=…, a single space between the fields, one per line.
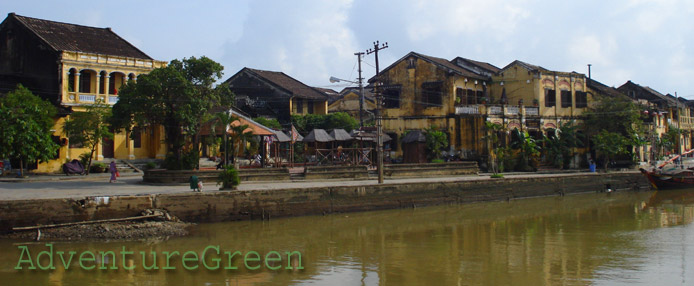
x=379 y=116
x=361 y=91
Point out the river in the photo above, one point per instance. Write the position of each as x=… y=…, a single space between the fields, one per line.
x=643 y=238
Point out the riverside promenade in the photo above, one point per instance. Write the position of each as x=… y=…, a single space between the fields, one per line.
x=71 y=187
x=58 y=199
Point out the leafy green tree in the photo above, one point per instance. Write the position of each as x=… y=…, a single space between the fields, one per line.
x=25 y=132
x=176 y=97
x=435 y=142
x=496 y=151
x=561 y=143
x=610 y=144
x=527 y=149
x=272 y=123
x=614 y=114
x=89 y=128
x=670 y=139
x=308 y=122
x=239 y=135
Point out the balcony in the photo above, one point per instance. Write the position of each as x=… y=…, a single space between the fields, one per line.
x=112 y=99
x=467 y=109
x=495 y=110
x=512 y=110
x=87 y=98
x=532 y=111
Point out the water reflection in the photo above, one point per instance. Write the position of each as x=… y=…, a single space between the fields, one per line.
x=619 y=238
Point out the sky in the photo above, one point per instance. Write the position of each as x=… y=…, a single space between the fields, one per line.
x=649 y=42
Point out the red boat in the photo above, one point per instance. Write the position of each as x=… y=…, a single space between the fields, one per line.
x=677 y=172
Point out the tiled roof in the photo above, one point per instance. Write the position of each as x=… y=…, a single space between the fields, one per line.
x=476 y=65
x=441 y=63
x=77 y=38
x=596 y=85
x=289 y=84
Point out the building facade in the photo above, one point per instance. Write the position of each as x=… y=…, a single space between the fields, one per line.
x=73 y=66
x=275 y=95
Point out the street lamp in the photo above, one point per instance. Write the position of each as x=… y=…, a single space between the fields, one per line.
x=361 y=96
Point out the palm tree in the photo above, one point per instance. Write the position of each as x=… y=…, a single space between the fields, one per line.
x=238 y=134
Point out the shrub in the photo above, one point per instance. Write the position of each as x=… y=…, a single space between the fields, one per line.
x=84 y=158
x=497 y=176
x=98 y=167
x=229 y=178
x=437 y=161
x=150 y=165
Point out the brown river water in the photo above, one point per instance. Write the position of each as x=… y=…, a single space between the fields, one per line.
x=644 y=238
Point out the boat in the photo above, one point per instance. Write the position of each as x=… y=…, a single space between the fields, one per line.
x=677 y=172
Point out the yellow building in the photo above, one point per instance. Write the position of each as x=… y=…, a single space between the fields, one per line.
x=73 y=66
x=422 y=91
x=539 y=98
x=348 y=101
x=275 y=95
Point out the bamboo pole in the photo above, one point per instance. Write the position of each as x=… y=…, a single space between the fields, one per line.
x=84 y=222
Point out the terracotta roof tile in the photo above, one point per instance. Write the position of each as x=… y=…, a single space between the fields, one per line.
x=77 y=38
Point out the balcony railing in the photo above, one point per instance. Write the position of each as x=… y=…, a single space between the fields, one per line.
x=532 y=111
x=495 y=110
x=512 y=110
x=87 y=98
x=112 y=99
x=467 y=109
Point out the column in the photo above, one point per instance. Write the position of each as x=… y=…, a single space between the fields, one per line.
x=98 y=86
x=107 y=86
x=77 y=86
x=130 y=145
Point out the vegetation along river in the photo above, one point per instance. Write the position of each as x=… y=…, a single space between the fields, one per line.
x=643 y=238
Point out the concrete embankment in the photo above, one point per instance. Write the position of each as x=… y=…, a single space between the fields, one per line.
x=273 y=203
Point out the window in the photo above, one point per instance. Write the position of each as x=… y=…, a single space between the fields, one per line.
x=137 y=137
x=432 y=93
x=391 y=98
x=71 y=81
x=566 y=100
x=550 y=98
x=299 y=105
x=310 y=107
x=460 y=96
x=581 y=99
x=85 y=82
x=480 y=96
x=470 y=96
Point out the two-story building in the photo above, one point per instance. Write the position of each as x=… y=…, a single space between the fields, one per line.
x=73 y=66
x=665 y=111
x=422 y=91
x=270 y=94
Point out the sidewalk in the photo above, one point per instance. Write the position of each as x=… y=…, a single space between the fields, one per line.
x=54 y=187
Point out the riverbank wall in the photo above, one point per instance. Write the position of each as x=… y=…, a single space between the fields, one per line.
x=267 y=204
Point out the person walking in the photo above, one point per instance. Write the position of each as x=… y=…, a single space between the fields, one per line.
x=112 y=168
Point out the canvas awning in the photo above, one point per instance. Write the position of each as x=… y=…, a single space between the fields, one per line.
x=340 y=135
x=414 y=136
x=281 y=137
x=318 y=135
x=369 y=136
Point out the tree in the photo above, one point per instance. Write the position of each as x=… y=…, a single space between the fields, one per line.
x=560 y=144
x=435 y=142
x=496 y=152
x=89 y=128
x=610 y=144
x=272 y=123
x=176 y=97
x=670 y=140
x=527 y=148
x=239 y=134
x=25 y=132
x=614 y=114
x=308 y=122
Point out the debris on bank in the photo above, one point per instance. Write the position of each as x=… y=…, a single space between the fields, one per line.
x=152 y=223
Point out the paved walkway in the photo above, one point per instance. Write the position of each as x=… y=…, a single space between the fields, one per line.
x=58 y=187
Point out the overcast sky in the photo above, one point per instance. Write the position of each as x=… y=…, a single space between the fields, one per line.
x=647 y=41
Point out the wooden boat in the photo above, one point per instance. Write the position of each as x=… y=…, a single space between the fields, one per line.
x=674 y=173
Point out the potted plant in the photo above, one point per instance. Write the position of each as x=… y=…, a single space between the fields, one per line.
x=229 y=178
x=536 y=102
